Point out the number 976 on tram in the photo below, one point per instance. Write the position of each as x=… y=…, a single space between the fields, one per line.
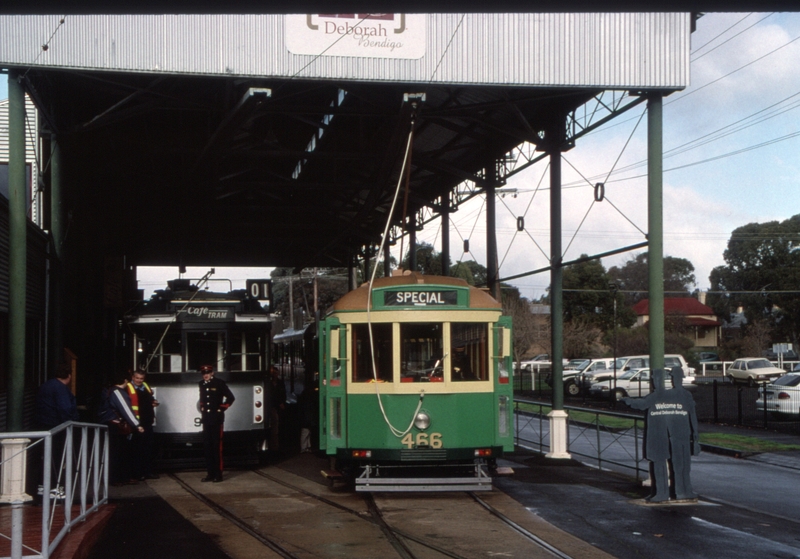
x=416 y=387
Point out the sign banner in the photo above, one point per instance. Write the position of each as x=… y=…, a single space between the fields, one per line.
x=202 y=313
x=419 y=298
x=362 y=35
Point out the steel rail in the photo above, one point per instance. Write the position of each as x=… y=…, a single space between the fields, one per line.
x=528 y=534
x=360 y=515
x=236 y=521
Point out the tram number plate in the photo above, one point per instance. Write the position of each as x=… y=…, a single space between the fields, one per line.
x=433 y=440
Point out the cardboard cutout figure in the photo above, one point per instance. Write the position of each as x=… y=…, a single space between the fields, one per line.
x=671 y=435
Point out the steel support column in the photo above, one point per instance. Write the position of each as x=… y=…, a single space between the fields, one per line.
x=655 y=228
x=17 y=258
x=445 y=235
x=387 y=259
x=558 y=417
x=57 y=264
x=412 y=243
x=491 y=235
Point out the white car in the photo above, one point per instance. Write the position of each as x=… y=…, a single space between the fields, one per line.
x=635 y=383
x=634 y=362
x=753 y=370
x=783 y=395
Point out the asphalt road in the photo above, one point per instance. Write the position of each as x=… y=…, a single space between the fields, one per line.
x=748 y=507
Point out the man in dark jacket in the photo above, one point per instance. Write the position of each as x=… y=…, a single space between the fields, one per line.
x=215 y=398
x=55 y=403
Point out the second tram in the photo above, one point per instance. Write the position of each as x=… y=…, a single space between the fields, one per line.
x=416 y=387
x=182 y=328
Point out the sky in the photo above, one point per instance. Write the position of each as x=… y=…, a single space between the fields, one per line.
x=731 y=144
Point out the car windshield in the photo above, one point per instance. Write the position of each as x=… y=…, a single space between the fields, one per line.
x=576 y=364
x=628 y=375
x=788 y=380
x=759 y=364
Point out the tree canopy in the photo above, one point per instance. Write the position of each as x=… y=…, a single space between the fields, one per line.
x=633 y=277
x=587 y=296
x=762 y=274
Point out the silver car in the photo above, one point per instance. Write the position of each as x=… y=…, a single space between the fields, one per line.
x=753 y=370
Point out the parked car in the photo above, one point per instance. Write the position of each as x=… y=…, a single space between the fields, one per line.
x=711 y=359
x=571 y=375
x=753 y=370
x=624 y=364
x=635 y=383
x=782 y=396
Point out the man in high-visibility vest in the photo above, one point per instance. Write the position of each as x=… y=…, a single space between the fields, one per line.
x=143 y=404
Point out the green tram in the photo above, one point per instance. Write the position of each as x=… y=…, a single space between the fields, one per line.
x=416 y=387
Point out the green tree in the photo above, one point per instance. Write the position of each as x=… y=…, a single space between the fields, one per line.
x=471 y=272
x=587 y=296
x=762 y=274
x=633 y=278
x=429 y=260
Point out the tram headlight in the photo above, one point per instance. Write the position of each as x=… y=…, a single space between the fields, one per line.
x=422 y=421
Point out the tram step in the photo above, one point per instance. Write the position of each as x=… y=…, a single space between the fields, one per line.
x=504 y=471
x=424 y=484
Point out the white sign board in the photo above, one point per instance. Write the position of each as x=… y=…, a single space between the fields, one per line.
x=361 y=35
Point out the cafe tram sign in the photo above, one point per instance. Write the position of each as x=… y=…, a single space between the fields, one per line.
x=205 y=313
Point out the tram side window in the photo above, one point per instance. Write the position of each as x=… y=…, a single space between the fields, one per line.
x=164 y=358
x=421 y=351
x=470 y=351
x=362 y=356
x=245 y=351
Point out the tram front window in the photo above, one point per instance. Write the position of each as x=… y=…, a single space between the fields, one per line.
x=205 y=348
x=245 y=351
x=421 y=352
x=362 y=354
x=165 y=357
x=470 y=351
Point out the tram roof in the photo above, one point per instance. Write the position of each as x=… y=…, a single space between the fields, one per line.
x=357 y=299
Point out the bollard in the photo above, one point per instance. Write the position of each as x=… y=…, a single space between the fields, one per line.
x=14 y=462
x=13 y=487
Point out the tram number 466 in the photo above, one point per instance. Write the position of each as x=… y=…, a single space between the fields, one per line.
x=434 y=440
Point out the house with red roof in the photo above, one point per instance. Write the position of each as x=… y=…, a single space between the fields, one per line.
x=700 y=318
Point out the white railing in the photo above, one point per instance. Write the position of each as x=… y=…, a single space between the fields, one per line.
x=81 y=479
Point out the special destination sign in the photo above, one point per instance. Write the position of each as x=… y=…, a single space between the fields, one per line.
x=420 y=298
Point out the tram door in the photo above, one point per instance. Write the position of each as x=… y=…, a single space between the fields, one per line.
x=333 y=388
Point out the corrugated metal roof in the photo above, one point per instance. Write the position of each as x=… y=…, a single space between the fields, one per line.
x=614 y=50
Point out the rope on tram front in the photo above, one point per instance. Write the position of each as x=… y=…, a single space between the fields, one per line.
x=395 y=431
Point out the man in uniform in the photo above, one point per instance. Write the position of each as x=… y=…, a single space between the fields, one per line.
x=215 y=398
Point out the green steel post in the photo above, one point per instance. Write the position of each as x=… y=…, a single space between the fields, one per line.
x=655 y=215
x=17 y=258
x=446 y=235
x=491 y=236
x=556 y=279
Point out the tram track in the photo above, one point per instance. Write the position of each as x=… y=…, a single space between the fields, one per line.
x=376 y=516
x=401 y=541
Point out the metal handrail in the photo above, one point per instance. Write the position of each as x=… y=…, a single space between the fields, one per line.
x=625 y=441
x=89 y=463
